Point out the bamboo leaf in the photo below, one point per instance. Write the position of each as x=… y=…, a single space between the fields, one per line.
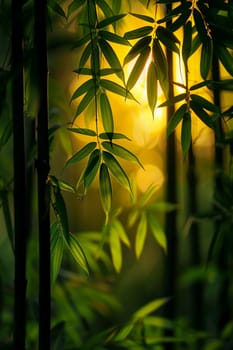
x=111 y=57
x=146 y=197
x=133 y=216
x=82 y=89
x=201 y=114
x=186 y=134
x=91 y=169
x=84 y=71
x=110 y=20
x=85 y=101
x=225 y=57
x=157 y=231
x=82 y=41
x=116 y=170
x=105 y=189
x=116 y=88
x=138 y=68
x=206 y=58
x=138 y=33
x=113 y=37
x=137 y=48
x=111 y=136
x=143 y=17
x=204 y=103
x=63 y=185
x=81 y=154
x=74 y=5
x=83 y=131
x=200 y=26
x=160 y=64
x=92 y=15
x=53 y=5
x=85 y=55
x=168 y=38
x=77 y=252
x=181 y=20
x=61 y=211
x=56 y=249
x=187 y=41
x=105 y=8
x=152 y=87
x=176 y=118
x=173 y=100
x=117 y=226
x=120 y=151
x=140 y=235
x=106 y=113
x=149 y=308
x=115 y=249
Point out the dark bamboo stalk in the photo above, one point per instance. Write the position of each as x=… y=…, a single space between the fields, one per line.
x=20 y=226
x=170 y=220
x=43 y=170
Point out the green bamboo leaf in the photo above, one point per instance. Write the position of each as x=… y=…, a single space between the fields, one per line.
x=85 y=55
x=138 y=33
x=84 y=71
x=82 y=89
x=105 y=189
x=161 y=64
x=92 y=15
x=60 y=208
x=149 y=308
x=196 y=42
x=106 y=113
x=116 y=170
x=120 y=151
x=225 y=57
x=137 y=48
x=74 y=5
x=110 y=20
x=200 y=26
x=168 y=38
x=83 y=131
x=143 y=17
x=82 y=41
x=157 y=230
x=113 y=37
x=181 y=20
x=56 y=250
x=152 y=87
x=163 y=207
x=206 y=58
x=146 y=197
x=140 y=235
x=85 y=101
x=95 y=58
x=201 y=114
x=111 y=57
x=53 y=5
x=91 y=168
x=133 y=216
x=81 y=154
x=63 y=185
x=115 y=249
x=77 y=252
x=173 y=100
x=111 y=136
x=204 y=103
x=187 y=41
x=138 y=68
x=176 y=118
x=105 y=8
x=116 y=88
x=175 y=11
x=186 y=132
x=118 y=228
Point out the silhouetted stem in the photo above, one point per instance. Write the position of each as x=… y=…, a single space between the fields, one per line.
x=20 y=226
x=43 y=170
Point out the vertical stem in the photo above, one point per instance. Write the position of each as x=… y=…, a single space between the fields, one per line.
x=43 y=170
x=20 y=226
x=170 y=222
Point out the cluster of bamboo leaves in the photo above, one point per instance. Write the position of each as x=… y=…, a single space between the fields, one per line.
x=203 y=27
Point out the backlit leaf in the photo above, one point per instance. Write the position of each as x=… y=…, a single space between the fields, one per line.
x=82 y=153
x=83 y=131
x=181 y=20
x=105 y=189
x=118 y=228
x=113 y=37
x=137 y=48
x=85 y=101
x=160 y=63
x=138 y=33
x=201 y=113
x=82 y=40
x=200 y=25
x=111 y=57
x=60 y=208
x=140 y=235
x=143 y=17
x=168 y=38
x=152 y=87
x=225 y=57
x=186 y=132
x=56 y=249
x=89 y=84
x=106 y=113
x=116 y=88
x=187 y=41
x=105 y=8
x=149 y=308
x=110 y=20
x=206 y=58
x=111 y=136
x=92 y=15
x=53 y=5
x=74 y=5
x=176 y=118
x=115 y=249
x=138 y=68
x=121 y=152
x=204 y=103
x=173 y=100
x=157 y=230
x=116 y=170
x=77 y=252
x=85 y=55
x=91 y=168
x=143 y=201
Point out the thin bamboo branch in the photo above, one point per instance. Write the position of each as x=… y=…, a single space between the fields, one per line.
x=43 y=170
x=20 y=226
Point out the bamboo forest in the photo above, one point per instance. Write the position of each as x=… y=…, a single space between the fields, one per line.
x=116 y=174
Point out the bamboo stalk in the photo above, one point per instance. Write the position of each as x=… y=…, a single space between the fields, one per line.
x=20 y=226
x=43 y=170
